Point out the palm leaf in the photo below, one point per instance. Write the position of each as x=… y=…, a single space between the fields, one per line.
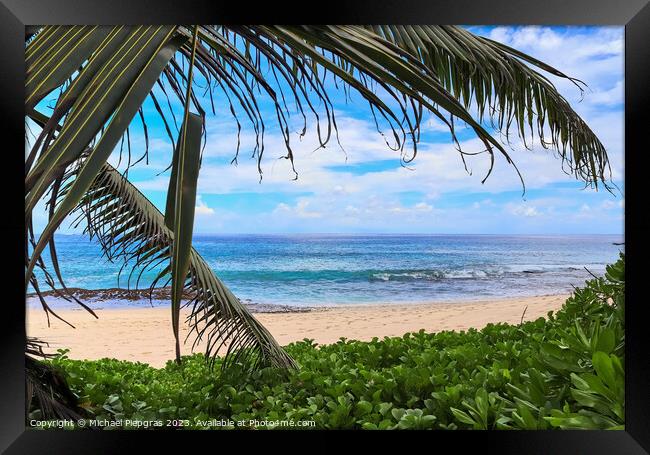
x=181 y=217
x=130 y=228
x=443 y=69
x=46 y=388
x=391 y=68
x=495 y=79
x=138 y=89
x=94 y=106
x=181 y=198
x=44 y=75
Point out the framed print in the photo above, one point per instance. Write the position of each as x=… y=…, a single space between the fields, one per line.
x=377 y=217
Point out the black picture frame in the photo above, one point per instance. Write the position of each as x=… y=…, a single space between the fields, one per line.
x=633 y=14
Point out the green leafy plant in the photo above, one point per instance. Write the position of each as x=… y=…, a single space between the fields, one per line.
x=501 y=377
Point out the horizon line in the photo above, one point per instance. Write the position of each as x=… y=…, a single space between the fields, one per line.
x=385 y=233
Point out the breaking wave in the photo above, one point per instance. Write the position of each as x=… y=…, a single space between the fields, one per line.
x=463 y=274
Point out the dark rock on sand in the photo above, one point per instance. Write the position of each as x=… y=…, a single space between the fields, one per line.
x=120 y=295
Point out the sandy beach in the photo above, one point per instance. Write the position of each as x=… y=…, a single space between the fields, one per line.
x=144 y=334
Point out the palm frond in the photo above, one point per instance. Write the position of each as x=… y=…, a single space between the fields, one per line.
x=124 y=94
x=400 y=71
x=131 y=229
x=503 y=86
x=181 y=198
x=47 y=391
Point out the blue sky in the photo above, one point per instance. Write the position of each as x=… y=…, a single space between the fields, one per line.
x=365 y=188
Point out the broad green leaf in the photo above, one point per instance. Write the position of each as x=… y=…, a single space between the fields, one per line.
x=363 y=408
x=605 y=369
x=462 y=416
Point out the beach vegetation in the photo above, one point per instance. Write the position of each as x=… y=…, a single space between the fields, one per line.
x=562 y=371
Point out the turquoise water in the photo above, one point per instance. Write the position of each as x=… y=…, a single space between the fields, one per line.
x=317 y=270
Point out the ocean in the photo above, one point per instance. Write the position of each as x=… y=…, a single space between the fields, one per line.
x=325 y=270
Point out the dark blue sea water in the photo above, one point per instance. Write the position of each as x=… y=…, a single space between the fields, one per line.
x=313 y=270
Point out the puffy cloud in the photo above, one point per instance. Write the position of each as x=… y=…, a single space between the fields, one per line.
x=201 y=208
x=524 y=210
x=423 y=207
x=299 y=210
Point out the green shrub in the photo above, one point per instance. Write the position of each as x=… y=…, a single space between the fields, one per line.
x=563 y=371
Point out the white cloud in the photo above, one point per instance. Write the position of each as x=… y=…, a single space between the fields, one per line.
x=593 y=55
x=608 y=97
x=201 y=208
x=299 y=210
x=524 y=210
x=423 y=207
